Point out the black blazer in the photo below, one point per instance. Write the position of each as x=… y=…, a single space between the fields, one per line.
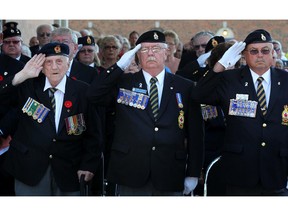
x=255 y=149
x=35 y=145
x=80 y=71
x=143 y=148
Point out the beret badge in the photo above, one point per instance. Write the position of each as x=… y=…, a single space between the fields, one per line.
x=214 y=42
x=263 y=37
x=57 y=49
x=89 y=40
x=156 y=37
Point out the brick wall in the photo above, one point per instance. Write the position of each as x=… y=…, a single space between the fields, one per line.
x=187 y=28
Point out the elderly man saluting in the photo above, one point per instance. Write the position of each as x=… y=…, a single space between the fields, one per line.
x=55 y=141
x=158 y=140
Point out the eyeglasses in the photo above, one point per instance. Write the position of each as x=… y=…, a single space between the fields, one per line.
x=277 y=49
x=13 y=42
x=197 y=47
x=110 y=47
x=43 y=34
x=86 y=50
x=155 y=49
x=256 y=51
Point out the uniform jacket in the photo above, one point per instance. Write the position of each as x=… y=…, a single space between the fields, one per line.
x=143 y=148
x=80 y=71
x=255 y=149
x=35 y=145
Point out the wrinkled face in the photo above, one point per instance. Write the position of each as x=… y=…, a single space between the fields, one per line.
x=259 y=56
x=152 y=56
x=55 y=68
x=199 y=44
x=12 y=46
x=44 y=36
x=86 y=54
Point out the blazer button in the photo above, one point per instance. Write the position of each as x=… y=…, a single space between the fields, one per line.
x=156 y=129
x=50 y=156
x=153 y=148
x=264 y=125
x=54 y=140
x=263 y=144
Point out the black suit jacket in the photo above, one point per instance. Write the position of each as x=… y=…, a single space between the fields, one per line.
x=255 y=149
x=143 y=148
x=80 y=71
x=35 y=145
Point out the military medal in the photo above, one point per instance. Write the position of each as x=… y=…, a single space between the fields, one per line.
x=179 y=100
x=285 y=115
x=181 y=119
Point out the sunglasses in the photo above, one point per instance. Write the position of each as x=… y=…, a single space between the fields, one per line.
x=197 y=47
x=110 y=47
x=86 y=50
x=43 y=34
x=9 y=42
x=256 y=51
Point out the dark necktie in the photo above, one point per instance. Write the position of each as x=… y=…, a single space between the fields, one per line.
x=52 y=98
x=261 y=96
x=154 y=96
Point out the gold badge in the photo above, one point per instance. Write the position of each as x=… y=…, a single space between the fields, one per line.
x=181 y=119
x=214 y=42
x=89 y=40
x=57 y=49
x=155 y=36
x=285 y=116
x=263 y=37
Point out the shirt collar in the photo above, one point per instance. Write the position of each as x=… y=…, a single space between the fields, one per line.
x=160 y=77
x=266 y=76
x=60 y=86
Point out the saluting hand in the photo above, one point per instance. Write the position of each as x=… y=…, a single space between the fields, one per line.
x=32 y=69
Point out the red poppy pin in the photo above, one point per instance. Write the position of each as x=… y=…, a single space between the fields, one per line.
x=74 y=78
x=1 y=78
x=68 y=104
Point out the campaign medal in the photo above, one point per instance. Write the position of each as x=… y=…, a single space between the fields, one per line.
x=179 y=100
x=181 y=119
x=27 y=104
x=285 y=115
x=43 y=115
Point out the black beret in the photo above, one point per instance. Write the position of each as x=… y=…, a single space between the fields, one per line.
x=258 y=36
x=86 y=41
x=52 y=49
x=152 y=36
x=213 y=42
x=11 y=30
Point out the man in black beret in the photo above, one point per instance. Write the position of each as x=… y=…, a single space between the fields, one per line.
x=254 y=100
x=56 y=140
x=12 y=42
x=157 y=144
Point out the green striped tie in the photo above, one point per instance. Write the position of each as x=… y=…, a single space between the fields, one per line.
x=52 y=98
x=261 y=96
x=154 y=96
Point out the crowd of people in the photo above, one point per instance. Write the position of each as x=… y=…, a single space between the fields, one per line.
x=143 y=115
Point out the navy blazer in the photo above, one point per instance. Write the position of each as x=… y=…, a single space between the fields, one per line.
x=255 y=149
x=143 y=148
x=35 y=145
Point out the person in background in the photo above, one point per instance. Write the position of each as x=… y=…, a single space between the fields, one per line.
x=43 y=35
x=278 y=49
x=87 y=53
x=254 y=100
x=172 y=40
x=133 y=37
x=12 y=42
x=157 y=146
x=56 y=140
x=197 y=47
x=33 y=41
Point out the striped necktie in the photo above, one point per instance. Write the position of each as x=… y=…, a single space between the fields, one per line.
x=261 y=96
x=52 y=98
x=154 y=96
